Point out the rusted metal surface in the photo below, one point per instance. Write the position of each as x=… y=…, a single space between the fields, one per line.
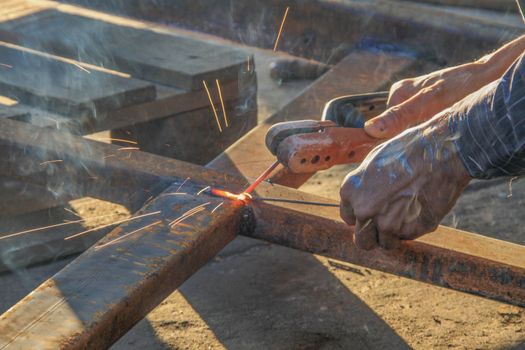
x=309 y=146
x=88 y=168
x=113 y=285
x=447 y=257
x=98 y=297
x=309 y=228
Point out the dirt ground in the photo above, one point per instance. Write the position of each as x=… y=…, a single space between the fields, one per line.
x=256 y=295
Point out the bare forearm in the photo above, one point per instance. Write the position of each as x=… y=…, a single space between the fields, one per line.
x=496 y=63
x=473 y=75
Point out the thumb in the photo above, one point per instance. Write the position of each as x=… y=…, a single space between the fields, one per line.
x=418 y=108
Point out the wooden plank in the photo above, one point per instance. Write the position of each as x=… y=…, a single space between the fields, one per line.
x=361 y=71
x=167 y=59
x=67 y=89
x=191 y=136
x=103 y=293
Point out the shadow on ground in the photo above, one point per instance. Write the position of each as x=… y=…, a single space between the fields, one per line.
x=259 y=296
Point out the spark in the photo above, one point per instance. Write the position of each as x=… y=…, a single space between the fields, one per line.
x=175 y=194
x=189 y=213
x=222 y=103
x=111 y=224
x=80 y=67
x=51 y=161
x=53 y=226
x=6 y=101
x=182 y=184
x=71 y=212
x=248 y=64
x=65 y=60
x=6 y=65
x=204 y=189
x=510 y=186
x=117 y=140
x=217 y=207
x=106 y=157
x=212 y=105
x=281 y=29
x=184 y=217
x=521 y=9
x=128 y=149
x=128 y=234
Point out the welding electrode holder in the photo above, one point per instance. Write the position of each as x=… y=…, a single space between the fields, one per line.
x=308 y=146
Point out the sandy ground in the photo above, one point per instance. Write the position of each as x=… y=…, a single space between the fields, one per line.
x=256 y=295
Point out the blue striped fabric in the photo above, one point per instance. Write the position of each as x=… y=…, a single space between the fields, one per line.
x=489 y=126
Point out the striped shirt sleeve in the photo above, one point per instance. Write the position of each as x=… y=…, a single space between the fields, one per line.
x=489 y=126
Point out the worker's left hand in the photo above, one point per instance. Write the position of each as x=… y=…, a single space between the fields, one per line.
x=404 y=187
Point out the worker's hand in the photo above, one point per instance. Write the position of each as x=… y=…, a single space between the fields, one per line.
x=415 y=100
x=404 y=187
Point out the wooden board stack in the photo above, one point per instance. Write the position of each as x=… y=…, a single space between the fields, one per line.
x=138 y=71
x=87 y=74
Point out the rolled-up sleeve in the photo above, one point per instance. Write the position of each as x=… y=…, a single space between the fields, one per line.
x=489 y=126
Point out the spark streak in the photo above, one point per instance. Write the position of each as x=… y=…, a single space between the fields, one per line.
x=80 y=67
x=222 y=103
x=128 y=149
x=189 y=213
x=113 y=139
x=6 y=65
x=128 y=234
x=111 y=224
x=51 y=161
x=212 y=105
x=281 y=28
x=204 y=189
x=182 y=184
x=53 y=226
x=217 y=207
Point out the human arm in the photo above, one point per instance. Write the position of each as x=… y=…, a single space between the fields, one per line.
x=415 y=100
x=407 y=185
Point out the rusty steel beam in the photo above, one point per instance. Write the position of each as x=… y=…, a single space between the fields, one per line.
x=447 y=257
x=103 y=293
x=99 y=296
x=143 y=169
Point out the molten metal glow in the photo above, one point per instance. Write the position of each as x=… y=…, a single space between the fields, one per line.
x=232 y=196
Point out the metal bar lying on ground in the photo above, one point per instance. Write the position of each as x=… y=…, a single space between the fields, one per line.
x=447 y=257
x=98 y=297
x=102 y=294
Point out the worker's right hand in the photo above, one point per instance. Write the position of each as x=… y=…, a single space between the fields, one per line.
x=415 y=100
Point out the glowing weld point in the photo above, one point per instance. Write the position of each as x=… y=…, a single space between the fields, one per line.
x=244 y=197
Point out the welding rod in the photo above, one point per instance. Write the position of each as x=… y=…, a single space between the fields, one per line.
x=294 y=201
x=261 y=178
